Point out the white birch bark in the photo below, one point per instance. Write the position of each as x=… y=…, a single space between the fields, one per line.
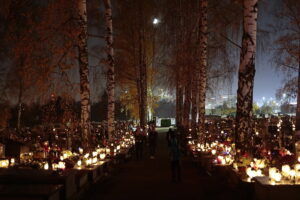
x=297 y=125
x=187 y=102
x=203 y=66
x=195 y=90
x=111 y=68
x=84 y=74
x=246 y=76
x=142 y=68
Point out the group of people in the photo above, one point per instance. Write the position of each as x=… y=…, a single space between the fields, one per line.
x=173 y=142
x=141 y=139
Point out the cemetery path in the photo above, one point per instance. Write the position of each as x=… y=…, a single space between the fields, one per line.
x=151 y=179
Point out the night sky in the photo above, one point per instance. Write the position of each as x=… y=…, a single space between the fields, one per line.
x=267 y=78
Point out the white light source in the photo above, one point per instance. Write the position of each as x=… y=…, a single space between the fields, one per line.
x=155 y=21
x=61 y=165
x=213 y=152
x=12 y=161
x=46 y=166
x=285 y=170
x=94 y=153
x=102 y=156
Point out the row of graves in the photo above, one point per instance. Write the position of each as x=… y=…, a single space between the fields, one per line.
x=41 y=163
x=270 y=170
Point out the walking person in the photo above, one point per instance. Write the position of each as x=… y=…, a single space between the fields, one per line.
x=139 y=143
x=168 y=135
x=174 y=147
x=152 y=137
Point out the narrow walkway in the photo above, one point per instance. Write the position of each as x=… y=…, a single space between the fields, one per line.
x=151 y=179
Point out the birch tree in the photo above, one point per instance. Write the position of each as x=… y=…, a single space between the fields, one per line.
x=111 y=68
x=84 y=74
x=203 y=64
x=142 y=66
x=246 y=76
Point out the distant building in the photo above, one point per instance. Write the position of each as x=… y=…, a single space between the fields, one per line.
x=213 y=102
x=288 y=109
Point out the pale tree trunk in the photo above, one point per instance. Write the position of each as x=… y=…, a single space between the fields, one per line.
x=179 y=79
x=298 y=100
x=111 y=69
x=141 y=88
x=142 y=103
x=180 y=104
x=187 y=101
x=142 y=69
x=20 y=96
x=19 y=115
x=144 y=94
x=20 y=105
x=178 y=98
x=195 y=90
x=202 y=66
x=84 y=75
x=244 y=125
x=145 y=82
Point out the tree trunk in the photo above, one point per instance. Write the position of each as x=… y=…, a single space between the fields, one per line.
x=20 y=105
x=178 y=98
x=143 y=69
x=298 y=101
x=179 y=79
x=141 y=92
x=111 y=69
x=84 y=74
x=180 y=104
x=244 y=125
x=195 y=89
x=187 y=101
x=203 y=66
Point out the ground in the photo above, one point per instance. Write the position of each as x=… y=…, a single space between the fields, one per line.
x=151 y=179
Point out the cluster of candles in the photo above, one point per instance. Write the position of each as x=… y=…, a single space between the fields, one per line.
x=256 y=168
x=61 y=164
x=224 y=160
x=224 y=153
x=52 y=157
x=286 y=175
x=203 y=147
x=90 y=159
x=99 y=154
x=7 y=163
x=279 y=125
x=55 y=166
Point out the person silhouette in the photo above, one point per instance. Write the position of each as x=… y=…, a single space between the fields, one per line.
x=174 y=147
x=139 y=142
x=152 y=137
